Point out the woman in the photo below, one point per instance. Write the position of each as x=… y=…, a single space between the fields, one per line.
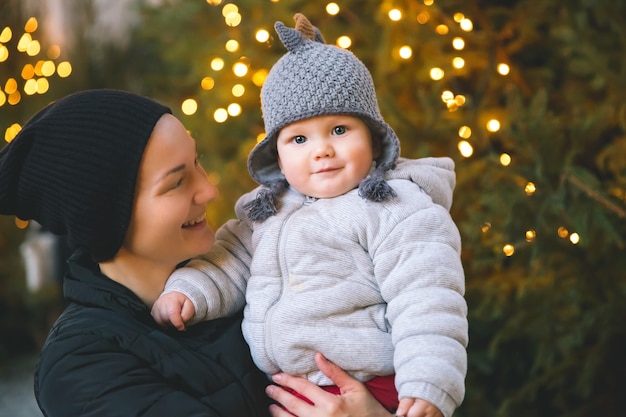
x=118 y=174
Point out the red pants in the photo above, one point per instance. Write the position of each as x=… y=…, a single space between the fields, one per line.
x=381 y=387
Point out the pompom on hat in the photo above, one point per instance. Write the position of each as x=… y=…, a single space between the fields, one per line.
x=73 y=167
x=315 y=79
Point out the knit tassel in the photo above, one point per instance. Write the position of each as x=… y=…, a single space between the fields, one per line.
x=264 y=204
x=375 y=188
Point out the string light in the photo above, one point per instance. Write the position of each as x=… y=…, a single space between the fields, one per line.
x=344 y=42
x=405 y=52
x=395 y=15
x=505 y=159
x=493 y=125
x=465 y=148
x=189 y=106
x=332 y=9
x=508 y=249
x=503 y=69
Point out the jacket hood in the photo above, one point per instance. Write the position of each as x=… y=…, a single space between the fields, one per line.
x=435 y=176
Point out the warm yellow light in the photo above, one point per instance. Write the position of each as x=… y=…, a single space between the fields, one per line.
x=258 y=78
x=21 y=224
x=54 y=51
x=220 y=115
x=33 y=48
x=332 y=9
x=214 y=2
x=405 y=52
x=6 y=35
x=262 y=35
x=423 y=18
x=28 y=72
x=12 y=132
x=4 y=53
x=229 y=8
x=458 y=17
x=459 y=99
x=31 y=25
x=234 y=109
x=465 y=132
x=240 y=69
x=217 y=64
x=465 y=148
x=562 y=232
x=232 y=45
x=493 y=125
x=505 y=159
x=442 y=29
x=3 y=98
x=238 y=90
x=508 y=249
x=10 y=86
x=429 y=2
x=30 y=87
x=260 y=137
x=24 y=41
x=207 y=83
x=395 y=14
x=530 y=235
x=42 y=85
x=503 y=69
x=233 y=19
x=452 y=106
x=48 y=68
x=485 y=227
x=436 y=74
x=189 y=106
x=344 y=42
x=574 y=238
x=14 y=98
x=64 y=69
x=530 y=188
x=446 y=96
x=458 y=62
x=466 y=24
x=458 y=43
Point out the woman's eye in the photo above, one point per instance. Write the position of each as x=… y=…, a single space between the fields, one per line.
x=299 y=139
x=339 y=130
x=178 y=183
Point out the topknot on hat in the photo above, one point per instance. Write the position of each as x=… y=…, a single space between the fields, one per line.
x=73 y=167
x=316 y=79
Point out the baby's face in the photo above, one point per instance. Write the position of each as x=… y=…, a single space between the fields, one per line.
x=325 y=156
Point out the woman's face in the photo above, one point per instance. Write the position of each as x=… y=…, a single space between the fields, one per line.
x=168 y=223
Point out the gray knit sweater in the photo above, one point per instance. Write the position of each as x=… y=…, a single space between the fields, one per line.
x=376 y=287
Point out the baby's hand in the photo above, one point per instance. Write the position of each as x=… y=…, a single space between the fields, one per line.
x=173 y=309
x=416 y=407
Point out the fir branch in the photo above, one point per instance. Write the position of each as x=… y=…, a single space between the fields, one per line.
x=609 y=205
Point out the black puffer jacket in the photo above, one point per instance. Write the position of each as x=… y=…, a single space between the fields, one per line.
x=105 y=356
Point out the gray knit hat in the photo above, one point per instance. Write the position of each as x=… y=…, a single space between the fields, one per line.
x=74 y=166
x=314 y=79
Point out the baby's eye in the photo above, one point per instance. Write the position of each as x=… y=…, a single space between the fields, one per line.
x=339 y=130
x=299 y=139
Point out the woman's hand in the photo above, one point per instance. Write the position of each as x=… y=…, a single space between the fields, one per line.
x=354 y=401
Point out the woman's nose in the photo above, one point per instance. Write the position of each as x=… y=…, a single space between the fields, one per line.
x=205 y=191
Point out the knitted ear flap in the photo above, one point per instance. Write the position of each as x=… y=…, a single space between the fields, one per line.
x=264 y=204
x=375 y=188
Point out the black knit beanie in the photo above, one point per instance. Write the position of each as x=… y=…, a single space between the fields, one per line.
x=73 y=167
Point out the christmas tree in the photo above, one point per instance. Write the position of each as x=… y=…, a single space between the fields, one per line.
x=527 y=97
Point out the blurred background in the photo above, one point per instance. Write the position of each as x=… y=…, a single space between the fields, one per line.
x=528 y=97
